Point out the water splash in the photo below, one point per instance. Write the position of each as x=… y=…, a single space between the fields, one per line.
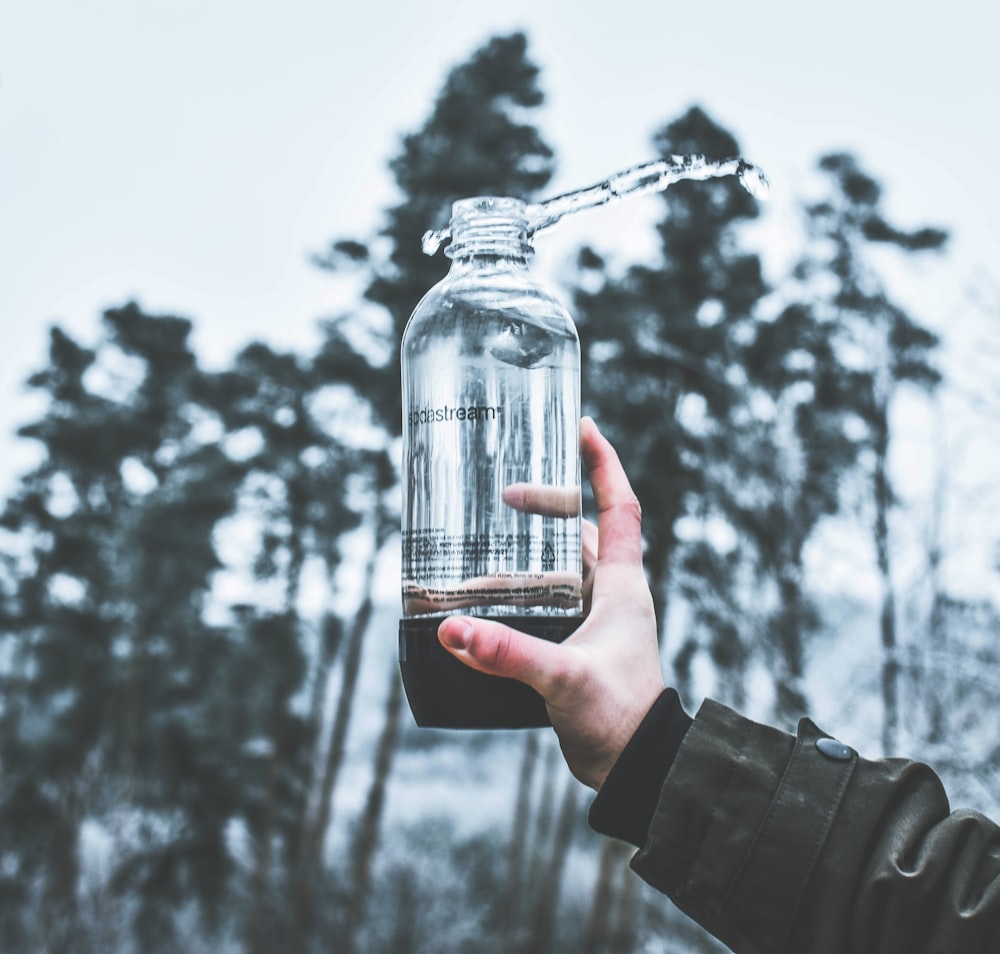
x=654 y=176
x=433 y=239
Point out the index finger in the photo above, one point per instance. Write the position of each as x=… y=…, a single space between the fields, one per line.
x=619 y=516
x=546 y=501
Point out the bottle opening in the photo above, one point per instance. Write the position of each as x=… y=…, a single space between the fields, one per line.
x=485 y=225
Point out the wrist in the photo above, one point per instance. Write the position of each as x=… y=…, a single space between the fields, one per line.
x=627 y=799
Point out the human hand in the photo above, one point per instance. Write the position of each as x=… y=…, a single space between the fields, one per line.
x=600 y=682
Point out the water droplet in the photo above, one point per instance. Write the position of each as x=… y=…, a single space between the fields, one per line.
x=753 y=179
x=433 y=239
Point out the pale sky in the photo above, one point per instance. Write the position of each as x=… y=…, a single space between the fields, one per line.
x=190 y=154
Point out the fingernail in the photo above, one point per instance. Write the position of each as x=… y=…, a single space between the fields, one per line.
x=455 y=634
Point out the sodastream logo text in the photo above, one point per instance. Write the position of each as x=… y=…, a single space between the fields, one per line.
x=474 y=413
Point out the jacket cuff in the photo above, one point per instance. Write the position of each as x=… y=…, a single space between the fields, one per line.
x=625 y=804
x=740 y=823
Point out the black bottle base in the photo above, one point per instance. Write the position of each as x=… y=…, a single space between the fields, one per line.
x=445 y=694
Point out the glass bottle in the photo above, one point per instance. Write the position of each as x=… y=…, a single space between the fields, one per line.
x=490 y=367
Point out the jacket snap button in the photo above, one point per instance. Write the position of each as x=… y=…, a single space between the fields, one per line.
x=833 y=749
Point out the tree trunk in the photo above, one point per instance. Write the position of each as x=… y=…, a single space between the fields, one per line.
x=541 y=826
x=326 y=653
x=934 y=681
x=790 y=698
x=63 y=877
x=315 y=828
x=552 y=875
x=366 y=839
x=887 y=614
x=132 y=708
x=519 y=841
x=404 y=935
x=626 y=931
x=257 y=941
x=260 y=904
x=614 y=854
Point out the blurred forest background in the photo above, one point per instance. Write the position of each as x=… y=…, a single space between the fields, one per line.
x=203 y=742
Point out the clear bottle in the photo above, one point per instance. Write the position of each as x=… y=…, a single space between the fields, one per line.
x=491 y=403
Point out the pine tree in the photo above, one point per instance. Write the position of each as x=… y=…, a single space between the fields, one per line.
x=662 y=349
x=806 y=450
x=294 y=492
x=883 y=346
x=109 y=643
x=476 y=141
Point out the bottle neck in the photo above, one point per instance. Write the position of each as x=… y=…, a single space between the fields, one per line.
x=489 y=232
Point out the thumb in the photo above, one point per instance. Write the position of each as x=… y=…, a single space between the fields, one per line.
x=499 y=650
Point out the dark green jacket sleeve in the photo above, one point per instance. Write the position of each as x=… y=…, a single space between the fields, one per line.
x=776 y=844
